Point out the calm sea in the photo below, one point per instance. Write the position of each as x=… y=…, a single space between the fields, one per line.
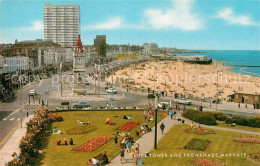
x=234 y=57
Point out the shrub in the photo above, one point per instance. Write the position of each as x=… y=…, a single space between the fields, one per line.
x=254 y=122
x=55 y=117
x=219 y=116
x=81 y=130
x=200 y=117
x=205 y=118
x=239 y=120
x=228 y=121
x=197 y=144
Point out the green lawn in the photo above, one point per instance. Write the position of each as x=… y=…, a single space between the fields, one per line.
x=63 y=155
x=223 y=124
x=221 y=142
x=126 y=56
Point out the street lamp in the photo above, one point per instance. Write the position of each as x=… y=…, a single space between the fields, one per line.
x=155 y=125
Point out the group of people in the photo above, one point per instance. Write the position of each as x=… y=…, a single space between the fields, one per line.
x=65 y=142
x=145 y=128
x=101 y=159
x=14 y=156
x=130 y=148
x=127 y=117
x=109 y=121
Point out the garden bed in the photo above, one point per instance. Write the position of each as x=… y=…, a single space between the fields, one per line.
x=255 y=157
x=206 y=162
x=93 y=144
x=247 y=140
x=200 y=131
x=197 y=144
x=81 y=130
x=128 y=126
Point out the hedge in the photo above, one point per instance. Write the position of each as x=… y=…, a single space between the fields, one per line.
x=244 y=121
x=200 y=117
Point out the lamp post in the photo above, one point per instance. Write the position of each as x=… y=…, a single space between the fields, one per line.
x=155 y=125
x=61 y=80
x=217 y=93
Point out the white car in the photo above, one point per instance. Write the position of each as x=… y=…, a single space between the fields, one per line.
x=111 y=90
x=160 y=106
x=32 y=92
x=183 y=101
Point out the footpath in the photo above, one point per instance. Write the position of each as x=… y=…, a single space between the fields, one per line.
x=12 y=144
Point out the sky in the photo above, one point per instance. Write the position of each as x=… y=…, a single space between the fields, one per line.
x=190 y=24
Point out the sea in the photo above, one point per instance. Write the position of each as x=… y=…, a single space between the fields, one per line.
x=234 y=57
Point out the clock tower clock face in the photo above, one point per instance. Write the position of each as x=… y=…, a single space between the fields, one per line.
x=79 y=61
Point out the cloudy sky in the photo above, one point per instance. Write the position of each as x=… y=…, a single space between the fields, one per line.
x=191 y=24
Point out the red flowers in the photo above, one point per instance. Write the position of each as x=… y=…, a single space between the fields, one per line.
x=128 y=126
x=205 y=162
x=93 y=144
x=248 y=140
x=199 y=131
x=55 y=117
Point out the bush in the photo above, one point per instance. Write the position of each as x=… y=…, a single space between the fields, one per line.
x=205 y=118
x=200 y=117
x=55 y=117
x=254 y=122
x=228 y=121
x=81 y=129
x=219 y=116
x=243 y=121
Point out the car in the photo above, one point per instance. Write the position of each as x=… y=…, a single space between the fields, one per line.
x=183 y=101
x=160 y=106
x=81 y=104
x=111 y=90
x=151 y=95
x=32 y=92
x=87 y=83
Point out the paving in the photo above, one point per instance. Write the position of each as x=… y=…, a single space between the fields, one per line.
x=12 y=144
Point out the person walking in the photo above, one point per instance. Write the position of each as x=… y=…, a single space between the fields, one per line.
x=122 y=155
x=171 y=113
x=246 y=105
x=238 y=105
x=162 y=126
x=136 y=155
x=116 y=140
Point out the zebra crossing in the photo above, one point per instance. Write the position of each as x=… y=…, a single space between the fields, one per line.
x=10 y=119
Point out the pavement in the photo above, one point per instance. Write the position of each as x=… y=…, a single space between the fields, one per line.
x=12 y=144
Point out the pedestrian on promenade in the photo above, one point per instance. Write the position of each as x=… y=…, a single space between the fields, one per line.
x=246 y=105
x=162 y=127
x=27 y=113
x=122 y=155
x=171 y=113
x=136 y=155
x=238 y=105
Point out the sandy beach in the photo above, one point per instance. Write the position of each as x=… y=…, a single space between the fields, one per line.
x=180 y=77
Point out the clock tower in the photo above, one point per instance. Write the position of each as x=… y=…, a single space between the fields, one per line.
x=79 y=69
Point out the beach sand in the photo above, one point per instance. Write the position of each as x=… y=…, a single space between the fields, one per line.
x=180 y=77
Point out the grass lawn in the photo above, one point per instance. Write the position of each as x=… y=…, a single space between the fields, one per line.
x=126 y=56
x=223 y=124
x=63 y=155
x=221 y=142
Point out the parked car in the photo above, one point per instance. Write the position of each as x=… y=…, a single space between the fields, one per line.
x=32 y=92
x=111 y=90
x=162 y=104
x=183 y=101
x=151 y=95
x=87 y=83
x=81 y=104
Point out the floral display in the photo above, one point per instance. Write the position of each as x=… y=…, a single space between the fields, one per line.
x=206 y=162
x=197 y=144
x=128 y=126
x=93 y=144
x=200 y=131
x=34 y=139
x=255 y=156
x=55 y=117
x=248 y=140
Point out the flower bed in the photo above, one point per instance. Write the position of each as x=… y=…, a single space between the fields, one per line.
x=197 y=144
x=81 y=129
x=55 y=117
x=128 y=126
x=255 y=156
x=247 y=140
x=206 y=162
x=200 y=131
x=93 y=144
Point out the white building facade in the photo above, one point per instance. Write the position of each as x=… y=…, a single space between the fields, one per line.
x=17 y=63
x=62 y=24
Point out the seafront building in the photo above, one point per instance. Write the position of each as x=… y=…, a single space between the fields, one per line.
x=100 y=45
x=62 y=24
